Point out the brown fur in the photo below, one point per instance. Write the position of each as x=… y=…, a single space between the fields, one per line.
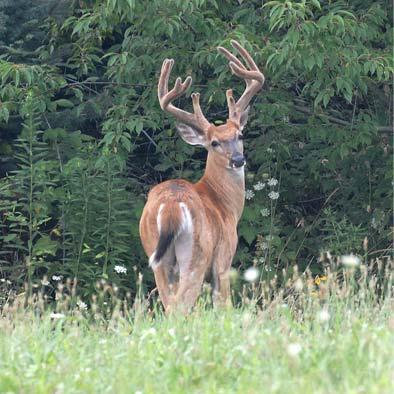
x=215 y=202
x=198 y=222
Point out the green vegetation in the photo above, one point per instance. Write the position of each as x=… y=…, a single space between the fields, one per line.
x=82 y=137
x=333 y=335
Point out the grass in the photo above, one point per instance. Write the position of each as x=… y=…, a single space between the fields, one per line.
x=335 y=337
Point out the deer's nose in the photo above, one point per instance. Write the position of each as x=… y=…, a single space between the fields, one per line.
x=237 y=160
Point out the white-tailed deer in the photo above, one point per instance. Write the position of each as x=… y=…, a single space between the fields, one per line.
x=190 y=230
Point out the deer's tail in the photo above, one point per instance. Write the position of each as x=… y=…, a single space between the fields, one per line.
x=172 y=220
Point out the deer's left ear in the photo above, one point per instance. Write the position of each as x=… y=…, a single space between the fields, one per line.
x=191 y=135
x=244 y=118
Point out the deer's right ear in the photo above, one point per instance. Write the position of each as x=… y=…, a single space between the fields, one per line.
x=191 y=135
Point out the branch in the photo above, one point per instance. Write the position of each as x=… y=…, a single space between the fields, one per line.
x=333 y=119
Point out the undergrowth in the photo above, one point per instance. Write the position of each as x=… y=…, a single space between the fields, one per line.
x=327 y=334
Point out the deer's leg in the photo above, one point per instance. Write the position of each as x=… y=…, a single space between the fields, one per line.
x=190 y=282
x=192 y=264
x=164 y=276
x=222 y=294
x=162 y=284
x=221 y=277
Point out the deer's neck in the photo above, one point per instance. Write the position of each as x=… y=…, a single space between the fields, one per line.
x=224 y=186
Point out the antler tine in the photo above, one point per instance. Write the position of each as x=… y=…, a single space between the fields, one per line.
x=197 y=119
x=254 y=79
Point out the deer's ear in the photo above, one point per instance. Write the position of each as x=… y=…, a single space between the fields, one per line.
x=244 y=118
x=191 y=135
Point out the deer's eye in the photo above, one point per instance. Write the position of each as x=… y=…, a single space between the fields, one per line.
x=241 y=137
x=215 y=144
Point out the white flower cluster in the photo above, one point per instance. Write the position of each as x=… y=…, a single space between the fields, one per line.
x=273 y=195
x=259 y=186
x=249 y=194
x=119 y=269
x=265 y=212
x=350 y=260
x=272 y=182
x=251 y=274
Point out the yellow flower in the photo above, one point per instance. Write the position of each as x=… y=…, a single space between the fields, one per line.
x=320 y=279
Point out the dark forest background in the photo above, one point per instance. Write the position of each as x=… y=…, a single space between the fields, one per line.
x=82 y=136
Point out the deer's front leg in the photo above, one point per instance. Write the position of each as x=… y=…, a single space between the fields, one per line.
x=221 y=276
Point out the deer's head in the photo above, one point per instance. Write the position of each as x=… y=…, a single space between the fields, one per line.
x=223 y=142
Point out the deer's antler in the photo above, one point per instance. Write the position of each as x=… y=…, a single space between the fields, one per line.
x=254 y=79
x=197 y=119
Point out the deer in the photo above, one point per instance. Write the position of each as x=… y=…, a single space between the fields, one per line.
x=189 y=231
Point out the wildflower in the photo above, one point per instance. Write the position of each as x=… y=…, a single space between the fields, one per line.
x=273 y=195
x=323 y=316
x=249 y=194
x=272 y=182
x=263 y=245
x=171 y=332
x=294 y=349
x=320 y=279
x=55 y=315
x=298 y=285
x=270 y=150
x=120 y=269
x=265 y=212
x=251 y=274
x=81 y=305
x=259 y=186
x=56 y=278
x=350 y=260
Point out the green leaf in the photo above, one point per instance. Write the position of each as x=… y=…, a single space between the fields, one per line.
x=63 y=103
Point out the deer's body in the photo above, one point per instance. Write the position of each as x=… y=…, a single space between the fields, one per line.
x=189 y=231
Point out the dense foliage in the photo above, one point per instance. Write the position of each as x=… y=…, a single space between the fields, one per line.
x=82 y=137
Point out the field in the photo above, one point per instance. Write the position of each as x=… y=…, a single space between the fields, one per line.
x=330 y=335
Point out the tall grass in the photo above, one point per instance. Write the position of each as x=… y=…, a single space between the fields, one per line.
x=326 y=334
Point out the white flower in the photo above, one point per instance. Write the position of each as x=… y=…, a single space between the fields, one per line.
x=323 y=316
x=273 y=195
x=259 y=186
x=55 y=315
x=265 y=212
x=298 y=284
x=270 y=150
x=120 y=269
x=81 y=305
x=350 y=260
x=249 y=194
x=294 y=349
x=251 y=274
x=264 y=245
x=56 y=277
x=272 y=182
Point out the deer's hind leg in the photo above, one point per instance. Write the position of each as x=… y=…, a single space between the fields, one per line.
x=192 y=264
x=165 y=276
